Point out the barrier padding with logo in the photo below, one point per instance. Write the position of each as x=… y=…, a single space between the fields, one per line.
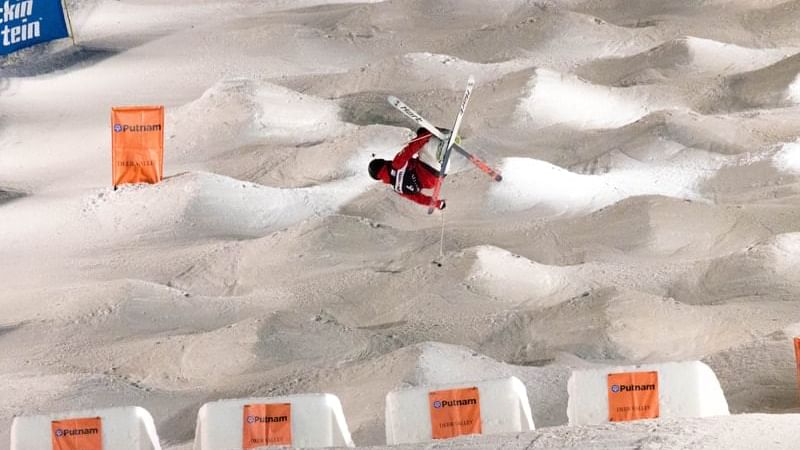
x=648 y=391
x=29 y=22
x=126 y=428
x=303 y=420
x=446 y=411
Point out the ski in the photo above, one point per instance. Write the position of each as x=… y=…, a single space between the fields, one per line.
x=479 y=164
x=411 y=114
x=451 y=139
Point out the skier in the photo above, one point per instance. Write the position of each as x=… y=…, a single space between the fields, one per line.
x=409 y=175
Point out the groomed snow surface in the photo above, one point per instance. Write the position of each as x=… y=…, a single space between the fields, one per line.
x=648 y=213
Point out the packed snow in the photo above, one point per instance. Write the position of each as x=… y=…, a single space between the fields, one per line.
x=648 y=212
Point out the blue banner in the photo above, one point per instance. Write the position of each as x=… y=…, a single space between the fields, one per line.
x=29 y=22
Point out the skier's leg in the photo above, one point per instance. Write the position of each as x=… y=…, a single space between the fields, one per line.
x=432 y=154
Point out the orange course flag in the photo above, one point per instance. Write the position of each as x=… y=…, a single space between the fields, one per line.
x=77 y=434
x=137 y=144
x=632 y=396
x=267 y=425
x=797 y=357
x=455 y=412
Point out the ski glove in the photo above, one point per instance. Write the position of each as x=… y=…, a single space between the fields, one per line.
x=441 y=204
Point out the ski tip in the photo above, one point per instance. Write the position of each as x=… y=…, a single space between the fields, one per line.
x=392 y=99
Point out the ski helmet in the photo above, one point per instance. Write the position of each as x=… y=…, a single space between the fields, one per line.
x=375 y=167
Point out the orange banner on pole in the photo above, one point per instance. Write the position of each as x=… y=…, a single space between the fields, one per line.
x=455 y=412
x=267 y=425
x=632 y=396
x=77 y=434
x=137 y=144
x=797 y=358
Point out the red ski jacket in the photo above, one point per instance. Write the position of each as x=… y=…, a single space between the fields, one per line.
x=416 y=175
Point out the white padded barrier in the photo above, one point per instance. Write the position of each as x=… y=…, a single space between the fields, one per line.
x=503 y=408
x=123 y=428
x=684 y=389
x=315 y=420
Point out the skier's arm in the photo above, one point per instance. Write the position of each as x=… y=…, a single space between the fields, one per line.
x=410 y=150
x=424 y=200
